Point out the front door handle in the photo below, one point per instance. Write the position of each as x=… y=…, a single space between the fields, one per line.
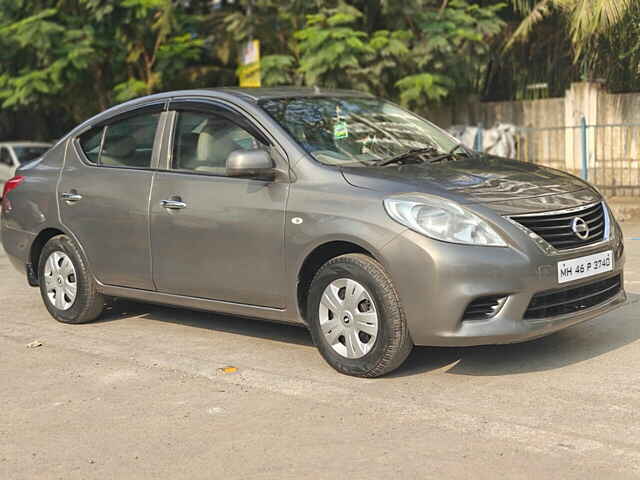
x=173 y=204
x=71 y=196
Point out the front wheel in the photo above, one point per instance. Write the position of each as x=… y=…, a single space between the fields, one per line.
x=356 y=318
x=66 y=284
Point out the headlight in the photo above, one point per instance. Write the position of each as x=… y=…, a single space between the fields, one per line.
x=442 y=219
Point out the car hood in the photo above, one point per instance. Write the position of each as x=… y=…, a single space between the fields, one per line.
x=507 y=185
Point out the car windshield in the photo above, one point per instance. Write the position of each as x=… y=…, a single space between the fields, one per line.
x=27 y=153
x=355 y=130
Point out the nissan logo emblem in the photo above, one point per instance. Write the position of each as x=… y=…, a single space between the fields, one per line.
x=580 y=228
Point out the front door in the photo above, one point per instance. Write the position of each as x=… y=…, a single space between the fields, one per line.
x=222 y=237
x=104 y=196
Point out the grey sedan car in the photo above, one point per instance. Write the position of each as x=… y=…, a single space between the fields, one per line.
x=330 y=209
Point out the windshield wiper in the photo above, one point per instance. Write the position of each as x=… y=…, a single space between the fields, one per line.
x=414 y=152
x=450 y=153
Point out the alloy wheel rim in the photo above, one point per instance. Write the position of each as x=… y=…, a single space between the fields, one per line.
x=60 y=280
x=348 y=318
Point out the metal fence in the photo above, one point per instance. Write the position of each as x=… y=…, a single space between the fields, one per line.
x=606 y=155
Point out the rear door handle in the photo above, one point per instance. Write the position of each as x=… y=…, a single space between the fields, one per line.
x=173 y=204
x=71 y=197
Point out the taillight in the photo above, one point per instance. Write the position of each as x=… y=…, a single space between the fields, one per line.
x=11 y=184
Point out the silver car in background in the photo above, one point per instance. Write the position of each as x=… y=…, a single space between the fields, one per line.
x=14 y=154
x=331 y=209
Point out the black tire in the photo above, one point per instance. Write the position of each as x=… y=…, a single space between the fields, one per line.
x=88 y=303
x=393 y=343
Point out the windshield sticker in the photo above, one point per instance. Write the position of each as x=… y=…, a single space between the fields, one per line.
x=340 y=130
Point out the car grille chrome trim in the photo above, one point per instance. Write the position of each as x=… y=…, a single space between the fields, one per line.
x=563 y=301
x=552 y=231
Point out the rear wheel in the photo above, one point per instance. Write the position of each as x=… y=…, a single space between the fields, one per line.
x=355 y=317
x=66 y=284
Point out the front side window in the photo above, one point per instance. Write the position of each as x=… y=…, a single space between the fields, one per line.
x=355 y=130
x=203 y=142
x=129 y=142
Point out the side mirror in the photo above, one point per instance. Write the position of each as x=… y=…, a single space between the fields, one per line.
x=250 y=163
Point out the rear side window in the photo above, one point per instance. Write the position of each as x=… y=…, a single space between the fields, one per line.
x=90 y=143
x=129 y=142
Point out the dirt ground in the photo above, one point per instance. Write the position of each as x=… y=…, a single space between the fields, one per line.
x=143 y=394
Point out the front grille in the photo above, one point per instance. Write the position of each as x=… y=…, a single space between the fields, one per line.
x=483 y=308
x=556 y=228
x=570 y=300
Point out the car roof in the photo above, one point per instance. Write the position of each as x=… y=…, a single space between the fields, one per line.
x=257 y=94
x=251 y=95
x=25 y=143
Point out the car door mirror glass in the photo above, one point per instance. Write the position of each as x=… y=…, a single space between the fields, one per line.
x=250 y=163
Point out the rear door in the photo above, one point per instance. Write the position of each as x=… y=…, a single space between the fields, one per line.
x=104 y=195
x=226 y=242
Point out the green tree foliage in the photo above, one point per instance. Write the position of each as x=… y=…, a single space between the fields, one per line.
x=84 y=55
x=68 y=59
x=332 y=49
x=585 y=19
x=615 y=55
x=435 y=49
x=81 y=56
x=451 y=48
x=594 y=39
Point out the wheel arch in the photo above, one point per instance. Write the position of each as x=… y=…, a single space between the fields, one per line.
x=36 y=249
x=317 y=257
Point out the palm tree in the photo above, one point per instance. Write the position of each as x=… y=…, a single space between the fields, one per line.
x=586 y=19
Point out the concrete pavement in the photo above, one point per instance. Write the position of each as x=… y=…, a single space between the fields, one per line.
x=142 y=394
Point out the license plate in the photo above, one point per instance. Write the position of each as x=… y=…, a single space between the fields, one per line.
x=583 y=267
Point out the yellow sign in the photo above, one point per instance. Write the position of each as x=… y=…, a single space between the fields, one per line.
x=249 y=71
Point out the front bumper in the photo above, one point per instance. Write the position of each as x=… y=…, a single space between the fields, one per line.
x=436 y=281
